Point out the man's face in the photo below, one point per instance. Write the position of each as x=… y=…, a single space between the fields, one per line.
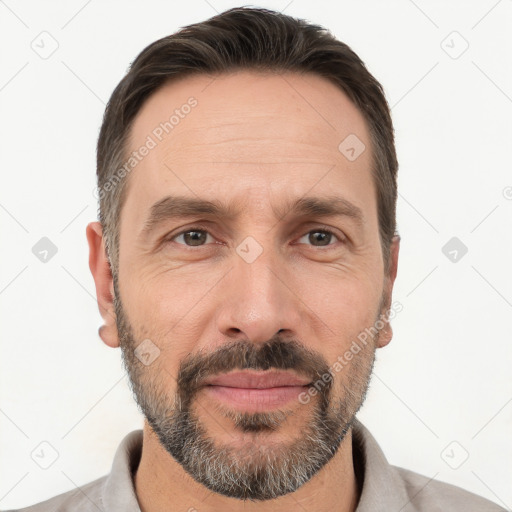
x=263 y=289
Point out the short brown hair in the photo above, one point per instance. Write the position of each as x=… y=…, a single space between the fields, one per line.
x=243 y=38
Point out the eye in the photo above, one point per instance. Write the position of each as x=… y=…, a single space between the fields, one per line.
x=198 y=236
x=320 y=237
x=192 y=237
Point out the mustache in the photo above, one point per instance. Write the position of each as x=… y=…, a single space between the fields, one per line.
x=245 y=355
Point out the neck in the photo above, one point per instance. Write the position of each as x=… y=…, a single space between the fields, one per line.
x=161 y=484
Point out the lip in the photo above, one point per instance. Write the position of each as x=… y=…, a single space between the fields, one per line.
x=256 y=391
x=257 y=380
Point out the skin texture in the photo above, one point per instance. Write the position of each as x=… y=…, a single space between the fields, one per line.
x=259 y=141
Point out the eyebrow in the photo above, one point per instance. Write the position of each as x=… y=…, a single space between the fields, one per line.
x=178 y=207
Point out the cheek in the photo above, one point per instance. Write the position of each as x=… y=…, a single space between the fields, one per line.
x=344 y=300
x=159 y=297
x=347 y=308
x=169 y=313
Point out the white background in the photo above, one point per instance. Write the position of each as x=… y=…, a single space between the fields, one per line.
x=446 y=375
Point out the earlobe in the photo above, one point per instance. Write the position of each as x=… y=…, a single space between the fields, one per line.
x=109 y=335
x=101 y=272
x=385 y=335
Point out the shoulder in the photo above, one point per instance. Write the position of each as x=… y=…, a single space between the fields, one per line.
x=112 y=492
x=427 y=494
x=87 y=498
x=387 y=487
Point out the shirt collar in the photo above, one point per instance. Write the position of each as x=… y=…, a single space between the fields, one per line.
x=119 y=490
x=382 y=487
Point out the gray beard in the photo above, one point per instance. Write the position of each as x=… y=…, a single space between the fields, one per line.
x=255 y=471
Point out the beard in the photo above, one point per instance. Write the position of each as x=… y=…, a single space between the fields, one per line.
x=258 y=469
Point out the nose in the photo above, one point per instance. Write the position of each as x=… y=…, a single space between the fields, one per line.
x=258 y=301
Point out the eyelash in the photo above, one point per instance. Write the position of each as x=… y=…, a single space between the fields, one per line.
x=201 y=228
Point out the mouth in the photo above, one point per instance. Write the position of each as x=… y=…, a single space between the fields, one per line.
x=253 y=391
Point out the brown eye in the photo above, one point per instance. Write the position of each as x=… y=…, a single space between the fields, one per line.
x=192 y=237
x=319 y=238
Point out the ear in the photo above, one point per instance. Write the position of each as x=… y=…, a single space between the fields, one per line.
x=386 y=332
x=101 y=272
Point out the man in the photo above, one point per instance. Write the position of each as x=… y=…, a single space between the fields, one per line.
x=244 y=262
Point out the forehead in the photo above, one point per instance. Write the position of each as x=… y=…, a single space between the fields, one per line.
x=246 y=134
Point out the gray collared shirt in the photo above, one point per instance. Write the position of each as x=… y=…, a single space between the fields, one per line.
x=385 y=488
